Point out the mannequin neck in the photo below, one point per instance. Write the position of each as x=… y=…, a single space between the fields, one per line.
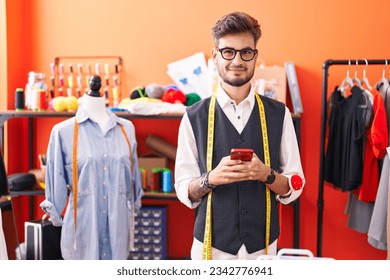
x=95 y=107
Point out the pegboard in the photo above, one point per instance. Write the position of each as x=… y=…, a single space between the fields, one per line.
x=70 y=75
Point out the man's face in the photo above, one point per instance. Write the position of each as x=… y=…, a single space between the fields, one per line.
x=236 y=72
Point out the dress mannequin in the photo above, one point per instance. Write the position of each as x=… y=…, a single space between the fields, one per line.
x=94 y=104
x=98 y=208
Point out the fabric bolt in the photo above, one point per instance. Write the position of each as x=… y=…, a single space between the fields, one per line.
x=104 y=185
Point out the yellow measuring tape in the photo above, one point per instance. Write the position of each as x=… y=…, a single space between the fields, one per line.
x=207 y=240
x=207 y=244
x=75 y=181
x=132 y=194
x=267 y=161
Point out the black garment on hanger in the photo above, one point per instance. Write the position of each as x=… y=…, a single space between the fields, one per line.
x=344 y=155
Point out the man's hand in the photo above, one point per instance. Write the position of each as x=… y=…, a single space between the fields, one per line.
x=230 y=171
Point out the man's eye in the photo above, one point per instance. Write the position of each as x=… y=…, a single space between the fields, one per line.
x=228 y=52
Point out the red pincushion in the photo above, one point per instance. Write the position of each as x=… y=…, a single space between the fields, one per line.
x=296 y=182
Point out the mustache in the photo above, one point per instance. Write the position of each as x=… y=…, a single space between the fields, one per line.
x=236 y=67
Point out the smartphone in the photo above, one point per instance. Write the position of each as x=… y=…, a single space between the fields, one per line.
x=242 y=154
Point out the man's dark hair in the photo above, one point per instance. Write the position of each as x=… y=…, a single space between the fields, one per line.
x=234 y=23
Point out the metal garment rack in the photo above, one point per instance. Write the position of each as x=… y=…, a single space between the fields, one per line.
x=325 y=73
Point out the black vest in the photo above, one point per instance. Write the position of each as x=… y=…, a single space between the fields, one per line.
x=238 y=209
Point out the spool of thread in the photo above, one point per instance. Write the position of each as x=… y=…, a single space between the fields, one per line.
x=155 y=180
x=167 y=186
x=42 y=100
x=34 y=99
x=144 y=175
x=19 y=99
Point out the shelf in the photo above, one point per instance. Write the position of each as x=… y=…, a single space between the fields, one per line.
x=6 y=115
x=147 y=195
x=32 y=192
x=159 y=195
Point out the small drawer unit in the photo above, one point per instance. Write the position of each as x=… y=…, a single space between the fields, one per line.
x=150 y=235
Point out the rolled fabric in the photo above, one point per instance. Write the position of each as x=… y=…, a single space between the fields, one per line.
x=161 y=146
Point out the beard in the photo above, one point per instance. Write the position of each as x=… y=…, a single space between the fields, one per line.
x=236 y=81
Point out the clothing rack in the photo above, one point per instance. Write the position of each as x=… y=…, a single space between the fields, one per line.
x=325 y=73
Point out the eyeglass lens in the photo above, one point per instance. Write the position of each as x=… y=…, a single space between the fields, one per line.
x=245 y=54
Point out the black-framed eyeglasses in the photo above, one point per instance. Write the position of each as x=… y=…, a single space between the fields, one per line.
x=246 y=54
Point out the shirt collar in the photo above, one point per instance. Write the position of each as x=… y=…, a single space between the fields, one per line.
x=82 y=115
x=224 y=99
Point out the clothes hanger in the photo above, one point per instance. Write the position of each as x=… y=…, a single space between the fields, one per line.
x=347 y=82
x=356 y=81
x=365 y=79
x=383 y=82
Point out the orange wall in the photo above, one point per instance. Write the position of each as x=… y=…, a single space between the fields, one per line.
x=149 y=34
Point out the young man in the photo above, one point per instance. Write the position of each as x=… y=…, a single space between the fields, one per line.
x=242 y=221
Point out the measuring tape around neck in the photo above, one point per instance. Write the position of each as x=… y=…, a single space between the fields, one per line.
x=75 y=182
x=267 y=161
x=207 y=240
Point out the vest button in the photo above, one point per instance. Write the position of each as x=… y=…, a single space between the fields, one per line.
x=240 y=140
x=244 y=188
x=244 y=211
x=244 y=235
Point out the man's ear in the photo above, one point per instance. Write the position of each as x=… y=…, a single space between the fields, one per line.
x=214 y=53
